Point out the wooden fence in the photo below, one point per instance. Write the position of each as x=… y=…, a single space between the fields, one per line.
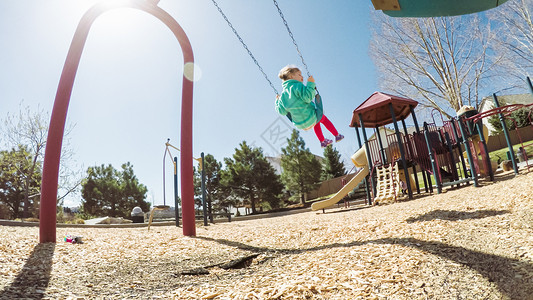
x=496 y=142
x=331 y=186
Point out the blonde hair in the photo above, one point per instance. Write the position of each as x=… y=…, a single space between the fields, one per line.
x=287 y=71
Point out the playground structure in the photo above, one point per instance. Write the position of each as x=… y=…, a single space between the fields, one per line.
x=424 y=8
x=439 y=160
x=453 y=153
x=359 y=160
x=206 y=209
x=504 y=113
x=175 y=165
x=48 y=203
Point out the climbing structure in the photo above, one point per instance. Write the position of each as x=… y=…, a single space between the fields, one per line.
x=388 y=184
x=431 y=151
x=391 y=183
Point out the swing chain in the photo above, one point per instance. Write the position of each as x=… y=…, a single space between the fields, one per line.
x=245 y=46
x=292 y=36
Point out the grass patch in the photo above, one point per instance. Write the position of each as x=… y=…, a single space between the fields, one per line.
x=501 y=154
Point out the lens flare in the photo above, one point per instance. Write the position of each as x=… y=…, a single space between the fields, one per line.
x=192 y=71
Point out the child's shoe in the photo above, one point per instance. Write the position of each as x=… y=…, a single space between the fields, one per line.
x=339 y=138
x=326 y=143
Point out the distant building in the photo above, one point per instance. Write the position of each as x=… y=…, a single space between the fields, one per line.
x=487 y=103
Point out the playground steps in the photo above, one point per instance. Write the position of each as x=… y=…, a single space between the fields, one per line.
x=388 y=184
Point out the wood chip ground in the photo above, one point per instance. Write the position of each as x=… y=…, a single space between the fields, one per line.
x=467 y=243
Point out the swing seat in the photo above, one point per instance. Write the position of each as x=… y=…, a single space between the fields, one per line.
x=433 y=8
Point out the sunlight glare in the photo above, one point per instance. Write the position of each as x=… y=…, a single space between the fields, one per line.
x=192 y=72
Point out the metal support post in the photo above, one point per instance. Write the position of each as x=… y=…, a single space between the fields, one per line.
x=367 y=189
x=368 y=157
x=506 y=134
x=402 y=152
x=381 y=149
x=176 y=198
x=433 y=159
x=473 y=172
x=204 y=203
x=486 y=159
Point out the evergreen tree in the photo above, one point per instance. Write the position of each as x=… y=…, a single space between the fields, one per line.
x=133 y=192
x=333 y=167
x=301 y=169
x=197 y=183
x=216 y=194
x=251 y=177
x=109 y=192
x=100 y=191
x=520 y=116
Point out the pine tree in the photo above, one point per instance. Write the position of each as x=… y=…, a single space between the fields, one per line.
x=301 y=169
x=520 y=117
x=251 y=177
x=109 y=192
x=217 y=195
x=333 y=167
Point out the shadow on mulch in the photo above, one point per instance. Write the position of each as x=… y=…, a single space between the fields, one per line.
x=454 y=215
x=506 y=273
x=504 y=176
x=33 y=279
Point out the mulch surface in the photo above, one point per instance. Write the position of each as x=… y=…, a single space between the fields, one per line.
x=466 y=243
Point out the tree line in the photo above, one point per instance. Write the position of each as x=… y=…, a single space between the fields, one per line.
x=444 y=63
x=247 y=178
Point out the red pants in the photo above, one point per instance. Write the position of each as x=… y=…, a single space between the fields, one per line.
x=329 y=126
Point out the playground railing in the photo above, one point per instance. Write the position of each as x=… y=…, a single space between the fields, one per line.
x=450 y=127
x=375 y=153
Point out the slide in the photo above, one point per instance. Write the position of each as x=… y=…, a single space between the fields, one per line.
x=359 y=160
x=352 y=184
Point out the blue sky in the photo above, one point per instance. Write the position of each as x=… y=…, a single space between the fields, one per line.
x=126 y=99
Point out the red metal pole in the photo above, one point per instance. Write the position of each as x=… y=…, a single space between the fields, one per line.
x=187 y=184
x=187 y=187
x=48 y=205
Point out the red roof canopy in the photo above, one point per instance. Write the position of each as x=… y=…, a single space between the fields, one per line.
x=375 y=110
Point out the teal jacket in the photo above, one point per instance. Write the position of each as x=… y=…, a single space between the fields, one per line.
x=297 y=99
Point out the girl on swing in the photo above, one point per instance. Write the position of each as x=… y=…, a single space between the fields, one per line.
x=296 y=102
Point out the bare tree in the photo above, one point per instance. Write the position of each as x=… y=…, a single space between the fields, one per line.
x=515 y=38
x=30 y=129
x=443 y=63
